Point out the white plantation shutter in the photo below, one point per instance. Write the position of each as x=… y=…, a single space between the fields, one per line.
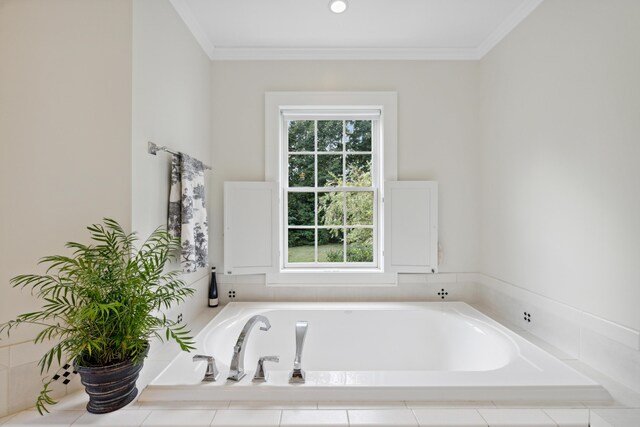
x=251 y=231
x=411 y=227
x=250 y=227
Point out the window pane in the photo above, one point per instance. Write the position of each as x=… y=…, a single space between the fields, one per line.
x=301 y=135
x=301 y=245
x=331 y=245
x=358 y=170
x=358 y=135
x=329 y=170
x=331 y=208
x=329 y=135
x=301 y=208
x=360 y=245
x=360 y=208
x=301 y=171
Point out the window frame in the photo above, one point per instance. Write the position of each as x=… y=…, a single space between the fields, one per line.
x=338 y=115
x=386 y=102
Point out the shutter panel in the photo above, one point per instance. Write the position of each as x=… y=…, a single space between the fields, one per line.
x=411 y=226
x=250 y=227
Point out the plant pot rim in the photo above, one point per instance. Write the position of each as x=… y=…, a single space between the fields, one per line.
x=78 y=367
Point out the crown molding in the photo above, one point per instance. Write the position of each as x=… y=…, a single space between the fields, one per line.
x=184 y=11
x=507 y=26
x=351 y=54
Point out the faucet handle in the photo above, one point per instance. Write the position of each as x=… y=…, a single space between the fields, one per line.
x=212 y=370
x=261 y=375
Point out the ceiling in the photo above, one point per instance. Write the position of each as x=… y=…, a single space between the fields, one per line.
x=369 y=29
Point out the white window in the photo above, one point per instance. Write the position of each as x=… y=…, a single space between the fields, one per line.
x=316 y=175
x=330 y=188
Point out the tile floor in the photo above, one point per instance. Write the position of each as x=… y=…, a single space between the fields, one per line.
x=70 y=412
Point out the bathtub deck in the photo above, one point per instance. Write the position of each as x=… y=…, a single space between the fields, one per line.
x=525 y=372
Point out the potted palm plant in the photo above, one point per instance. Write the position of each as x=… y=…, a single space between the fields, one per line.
x=102 y=304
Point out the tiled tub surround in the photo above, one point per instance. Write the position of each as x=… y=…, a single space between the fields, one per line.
x=606 y=346
x=374 y=351
x=610 y=348
x=623 y=410
x=410 y=287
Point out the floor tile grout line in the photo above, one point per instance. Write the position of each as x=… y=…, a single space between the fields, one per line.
x=413 y=411
x=481 y=416
x=213 y=419
x=145 y=418
x=76 y=420
x=415 y=417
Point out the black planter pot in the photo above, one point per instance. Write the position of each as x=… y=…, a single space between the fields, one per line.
x=110 y=387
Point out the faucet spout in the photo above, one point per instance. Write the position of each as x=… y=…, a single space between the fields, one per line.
x=236 y=371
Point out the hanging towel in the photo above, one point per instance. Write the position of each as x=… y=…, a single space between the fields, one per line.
x=187 y=212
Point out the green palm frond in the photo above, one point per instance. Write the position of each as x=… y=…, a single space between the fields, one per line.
x=102 y=303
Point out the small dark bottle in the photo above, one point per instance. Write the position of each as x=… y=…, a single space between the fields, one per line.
x=213 y=289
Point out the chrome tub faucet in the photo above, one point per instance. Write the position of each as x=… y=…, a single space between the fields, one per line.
x=260 y=375
x=212 y=370
x=236 y=372
x=297 y=375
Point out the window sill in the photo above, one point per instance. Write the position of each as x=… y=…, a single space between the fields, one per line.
x=332 y=278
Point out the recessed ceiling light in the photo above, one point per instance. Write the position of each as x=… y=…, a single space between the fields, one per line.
x=338 y=6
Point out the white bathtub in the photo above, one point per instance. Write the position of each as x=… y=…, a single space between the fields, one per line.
x=374 y=351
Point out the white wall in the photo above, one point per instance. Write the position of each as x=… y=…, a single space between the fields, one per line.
x=437 y=132
x=73 y=147
x=65 y=132
x=560 y=174
x=171 y=107
x=65 y=123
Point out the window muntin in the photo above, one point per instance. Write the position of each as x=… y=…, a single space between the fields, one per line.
x=330 y=190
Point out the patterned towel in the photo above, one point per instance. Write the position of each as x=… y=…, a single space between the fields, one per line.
x=187 y=212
